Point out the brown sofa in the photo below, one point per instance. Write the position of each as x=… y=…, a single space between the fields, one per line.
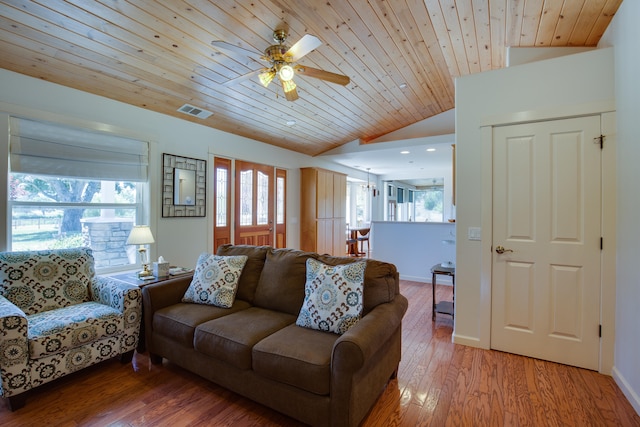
x=255 y=348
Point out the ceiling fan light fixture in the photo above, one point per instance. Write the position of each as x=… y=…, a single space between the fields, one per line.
x=266 y=77
x=288 y=86
x=286 y=73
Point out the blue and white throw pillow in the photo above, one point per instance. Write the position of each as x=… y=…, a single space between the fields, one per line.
x=215 y=280
x=332 y=296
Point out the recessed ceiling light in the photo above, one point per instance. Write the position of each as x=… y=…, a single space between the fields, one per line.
x=402 y=86
x=404 y=152
x=291 y=122
x=431 y=149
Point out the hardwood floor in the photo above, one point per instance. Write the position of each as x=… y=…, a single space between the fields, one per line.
x=439 y=384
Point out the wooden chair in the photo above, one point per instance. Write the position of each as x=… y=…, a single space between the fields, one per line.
x=364 y=237
x=352 y=243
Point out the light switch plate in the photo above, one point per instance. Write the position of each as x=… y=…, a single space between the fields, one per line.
x=474 y=233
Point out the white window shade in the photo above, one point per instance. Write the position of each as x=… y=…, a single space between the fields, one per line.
x=50 y=149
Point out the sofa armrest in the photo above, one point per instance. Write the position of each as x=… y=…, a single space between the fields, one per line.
x=364 y=359
x=165 y=293
x=123 y=297
x=14 y=350
x=360 y=343
x=160 y=295
x=116 y=294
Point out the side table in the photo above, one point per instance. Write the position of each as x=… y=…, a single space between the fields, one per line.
x=131 y=278
x=444 y=307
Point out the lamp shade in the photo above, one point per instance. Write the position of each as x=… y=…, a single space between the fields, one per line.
x=140 y=235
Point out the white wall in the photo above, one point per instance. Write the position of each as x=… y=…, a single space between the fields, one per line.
x=179 y=240
x=571 y=85
x=624 y=35
x=424 y=244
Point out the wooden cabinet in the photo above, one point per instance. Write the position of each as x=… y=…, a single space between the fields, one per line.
x=323 y=211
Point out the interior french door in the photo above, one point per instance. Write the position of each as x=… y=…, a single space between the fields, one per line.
x=254 y=204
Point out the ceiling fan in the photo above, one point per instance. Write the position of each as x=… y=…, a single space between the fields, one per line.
x=281 y=61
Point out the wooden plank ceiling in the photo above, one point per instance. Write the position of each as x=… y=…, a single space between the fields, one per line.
x=402 y=56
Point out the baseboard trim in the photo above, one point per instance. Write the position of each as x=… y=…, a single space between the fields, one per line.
x=631 y=395
x=441 y=280
x=468 y=341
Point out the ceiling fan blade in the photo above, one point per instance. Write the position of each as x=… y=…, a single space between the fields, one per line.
x=243 y=77
x=290 y=91
x=222 y=45
x=323 y=75
x=303 y=46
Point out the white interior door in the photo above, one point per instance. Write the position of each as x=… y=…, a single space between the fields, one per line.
x=547 y=217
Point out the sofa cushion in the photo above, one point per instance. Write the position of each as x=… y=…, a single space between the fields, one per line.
x=380 y=280
x=54 y=331
x=179 y=321
x=281 y=285
x=231 y=338
x=333 y=296
x=296 y=356
x=250 y=276
x=37 y=281
x=215 y=280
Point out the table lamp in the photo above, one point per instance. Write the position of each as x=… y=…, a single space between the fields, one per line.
x=141 y=235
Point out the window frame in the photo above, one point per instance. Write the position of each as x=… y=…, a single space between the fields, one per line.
x=141 y=206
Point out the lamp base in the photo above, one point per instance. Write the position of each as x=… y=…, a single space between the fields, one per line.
x=145 y=271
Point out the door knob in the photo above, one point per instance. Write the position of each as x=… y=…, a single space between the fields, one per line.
x=501 y=249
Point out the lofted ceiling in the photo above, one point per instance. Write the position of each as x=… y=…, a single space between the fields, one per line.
x=401 y=56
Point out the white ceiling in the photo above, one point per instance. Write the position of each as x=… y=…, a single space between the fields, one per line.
x=384 y=157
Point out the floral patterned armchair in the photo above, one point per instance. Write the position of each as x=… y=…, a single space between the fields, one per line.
x=57 y=316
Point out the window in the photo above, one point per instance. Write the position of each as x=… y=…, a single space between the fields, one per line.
x=359 y=198
x=280 y=195
x=429 y=203
x=71 y=187
x=281 y=212
x=262 y=207
x=222 y=202
x=222 y=185
x=246 y=197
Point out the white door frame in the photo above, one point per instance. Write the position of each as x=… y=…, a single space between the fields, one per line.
x=607 y=314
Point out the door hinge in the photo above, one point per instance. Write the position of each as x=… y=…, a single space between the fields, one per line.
x=599 y=140
x=600 y=331
x=601 y=243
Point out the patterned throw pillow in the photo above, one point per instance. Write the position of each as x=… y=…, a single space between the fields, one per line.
x=332 y=296
x=215 y=280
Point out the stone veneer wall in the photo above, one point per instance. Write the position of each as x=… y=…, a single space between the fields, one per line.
x=107 y=238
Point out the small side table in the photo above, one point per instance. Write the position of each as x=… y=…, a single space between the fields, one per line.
x=444 y=307
x=131 y=278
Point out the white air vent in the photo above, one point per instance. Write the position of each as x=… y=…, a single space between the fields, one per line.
x=195 y=111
